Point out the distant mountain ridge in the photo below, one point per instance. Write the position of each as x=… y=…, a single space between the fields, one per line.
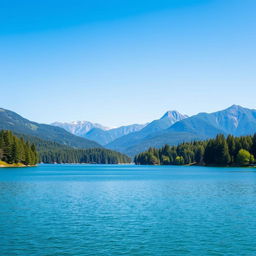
x=79 y=128
x=10 y=120
x=167 y=120
x=97 y=132
x=172 y=128
x=156 y=126
x=234 y=120
x=105 y=137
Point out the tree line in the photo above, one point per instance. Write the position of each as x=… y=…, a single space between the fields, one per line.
x=53 y=152
x=94 y=156
x=14 y=150
x=220 y=151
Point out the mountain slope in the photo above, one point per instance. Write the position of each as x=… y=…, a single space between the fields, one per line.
x=105 y=137
x=79 y=128
x=235 y=120
x=11 y=121
x=52 y=152
x=97 y=132
x=167 y=120
x=132 y=139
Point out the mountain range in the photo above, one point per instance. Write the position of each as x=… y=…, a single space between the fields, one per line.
x=106 y=136
x=9 y=120
x=134 y=140
x=97 y=132
x=234 y=120
x=172 y=128
x=79 y=128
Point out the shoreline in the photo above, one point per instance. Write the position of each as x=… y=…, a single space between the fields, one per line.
x=18 y=165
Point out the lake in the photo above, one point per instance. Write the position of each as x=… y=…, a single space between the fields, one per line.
x=127 y=210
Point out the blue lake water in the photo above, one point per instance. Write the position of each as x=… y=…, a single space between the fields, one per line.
x=127 y=210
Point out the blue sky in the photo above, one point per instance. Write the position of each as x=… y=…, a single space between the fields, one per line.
x=121 y=62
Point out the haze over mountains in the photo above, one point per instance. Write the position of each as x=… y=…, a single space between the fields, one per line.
x=97 y=132
x=79 y=128
x=104 y=135
x=235 y=120
x=156 y=126
x=172 y=128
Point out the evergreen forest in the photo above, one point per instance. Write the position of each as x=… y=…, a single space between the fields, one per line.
x=220 y=151
x=14 y=150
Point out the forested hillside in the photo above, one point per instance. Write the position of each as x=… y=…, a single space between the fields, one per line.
x=93 y=156
x=235 y=120
x=14 y=150
x=221 y=151
x=10 y=120
x=52 y=152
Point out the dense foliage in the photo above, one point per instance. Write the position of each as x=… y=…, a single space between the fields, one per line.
x=52 y=152
x=15 y=150
x=94 y=155
x=222 y=151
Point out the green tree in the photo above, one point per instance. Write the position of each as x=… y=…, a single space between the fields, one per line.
x=244 y=157
x=253 y=147
x=14 y=158
x=1 y=153
x=217 y=152
x=179 y=160
x=152 y=159
x=232 y=147
x=15 y=150
x=199 y=154
x=165 y=160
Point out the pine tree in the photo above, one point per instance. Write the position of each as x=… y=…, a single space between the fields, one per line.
x=14 y=158
x=253 y=147
x=232 y=147
x=222 y=156
x=14 y=150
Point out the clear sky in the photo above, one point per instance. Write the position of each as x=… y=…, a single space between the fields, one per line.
x=120 y=62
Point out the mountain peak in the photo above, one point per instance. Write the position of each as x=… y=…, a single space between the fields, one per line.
x=235 y=107
x=174 y=114
x=79 y=128
x=236 y=110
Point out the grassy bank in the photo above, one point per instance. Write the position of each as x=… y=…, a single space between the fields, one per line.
x=4 y=164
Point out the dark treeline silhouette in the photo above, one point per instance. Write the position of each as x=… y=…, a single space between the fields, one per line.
x=94 y=155
x=52 y=152
x=14 y=150
x=221 y=151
